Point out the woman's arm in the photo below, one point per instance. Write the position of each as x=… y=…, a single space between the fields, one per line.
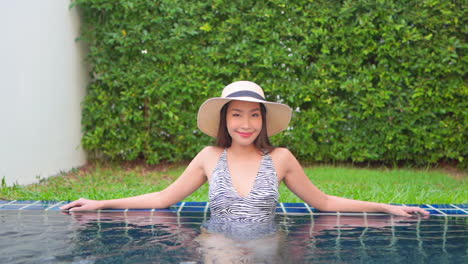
x=191 y=179
x=298 y=182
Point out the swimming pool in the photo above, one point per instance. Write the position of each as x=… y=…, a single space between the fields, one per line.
x=37 y=232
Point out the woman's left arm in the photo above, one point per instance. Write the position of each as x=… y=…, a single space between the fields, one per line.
x=298 y=182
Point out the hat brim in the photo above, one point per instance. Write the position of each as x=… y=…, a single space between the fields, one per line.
x=277 y=118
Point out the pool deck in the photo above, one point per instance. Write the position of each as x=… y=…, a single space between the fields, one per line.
x=203 y=207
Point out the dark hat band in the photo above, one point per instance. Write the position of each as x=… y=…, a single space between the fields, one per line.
x=246 y=94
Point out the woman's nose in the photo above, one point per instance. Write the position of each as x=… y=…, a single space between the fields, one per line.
x=245 y=123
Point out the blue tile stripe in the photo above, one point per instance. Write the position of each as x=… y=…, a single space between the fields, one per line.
x=203 y=208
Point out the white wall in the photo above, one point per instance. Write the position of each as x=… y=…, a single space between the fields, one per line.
x=43 y=80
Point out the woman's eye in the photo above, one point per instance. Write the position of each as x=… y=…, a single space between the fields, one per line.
x=236 y=115
x=256 y=115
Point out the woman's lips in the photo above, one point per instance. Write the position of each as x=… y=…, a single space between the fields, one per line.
x=246 y=135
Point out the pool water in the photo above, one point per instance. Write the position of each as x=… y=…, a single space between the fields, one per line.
x=38 y=236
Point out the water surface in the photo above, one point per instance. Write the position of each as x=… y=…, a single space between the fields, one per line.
x=166 y=237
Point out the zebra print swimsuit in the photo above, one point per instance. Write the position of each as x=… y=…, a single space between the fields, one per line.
x=258 y=206
x=243 y=218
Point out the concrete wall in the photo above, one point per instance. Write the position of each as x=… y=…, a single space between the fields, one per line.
x=43 y=81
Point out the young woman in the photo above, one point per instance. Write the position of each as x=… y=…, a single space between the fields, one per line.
x=243 y=169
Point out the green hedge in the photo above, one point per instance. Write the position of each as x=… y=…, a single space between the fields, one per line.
x=368 y=80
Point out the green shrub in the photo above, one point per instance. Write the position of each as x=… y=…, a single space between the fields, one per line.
x=368 y=80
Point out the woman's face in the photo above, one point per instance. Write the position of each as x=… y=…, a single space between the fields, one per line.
x=244 y=122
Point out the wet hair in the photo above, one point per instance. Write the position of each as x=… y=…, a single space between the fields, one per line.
x=224 y=140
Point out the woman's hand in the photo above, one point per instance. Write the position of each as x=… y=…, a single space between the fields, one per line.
x=404 y=210
x=83 y=205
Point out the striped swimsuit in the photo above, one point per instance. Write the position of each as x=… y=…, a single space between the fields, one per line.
x=258 y=206
x=243 y=218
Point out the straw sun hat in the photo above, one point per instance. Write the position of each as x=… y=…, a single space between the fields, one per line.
x=277 y=115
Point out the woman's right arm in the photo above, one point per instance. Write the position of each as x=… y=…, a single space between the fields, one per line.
x=191 y=179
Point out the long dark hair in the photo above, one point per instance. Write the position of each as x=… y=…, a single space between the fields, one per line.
x=224 y=140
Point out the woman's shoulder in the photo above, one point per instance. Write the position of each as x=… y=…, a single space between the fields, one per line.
x=208 y=157
x=212 y=149
x=211 y=152
x=281 y=153
x=282 y=156
x=283 y=160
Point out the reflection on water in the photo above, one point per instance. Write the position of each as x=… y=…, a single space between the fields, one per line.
x=165 y=237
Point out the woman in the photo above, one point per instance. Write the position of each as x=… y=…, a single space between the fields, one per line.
x=243 y=169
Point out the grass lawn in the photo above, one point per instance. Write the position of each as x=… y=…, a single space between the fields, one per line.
x=104 y=181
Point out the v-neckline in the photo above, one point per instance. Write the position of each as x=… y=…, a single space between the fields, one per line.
x=232 y=183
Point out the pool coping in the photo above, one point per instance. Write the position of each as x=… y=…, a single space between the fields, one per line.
x=203 y=208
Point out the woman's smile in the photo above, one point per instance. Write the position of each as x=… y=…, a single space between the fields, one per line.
x=245 y=134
